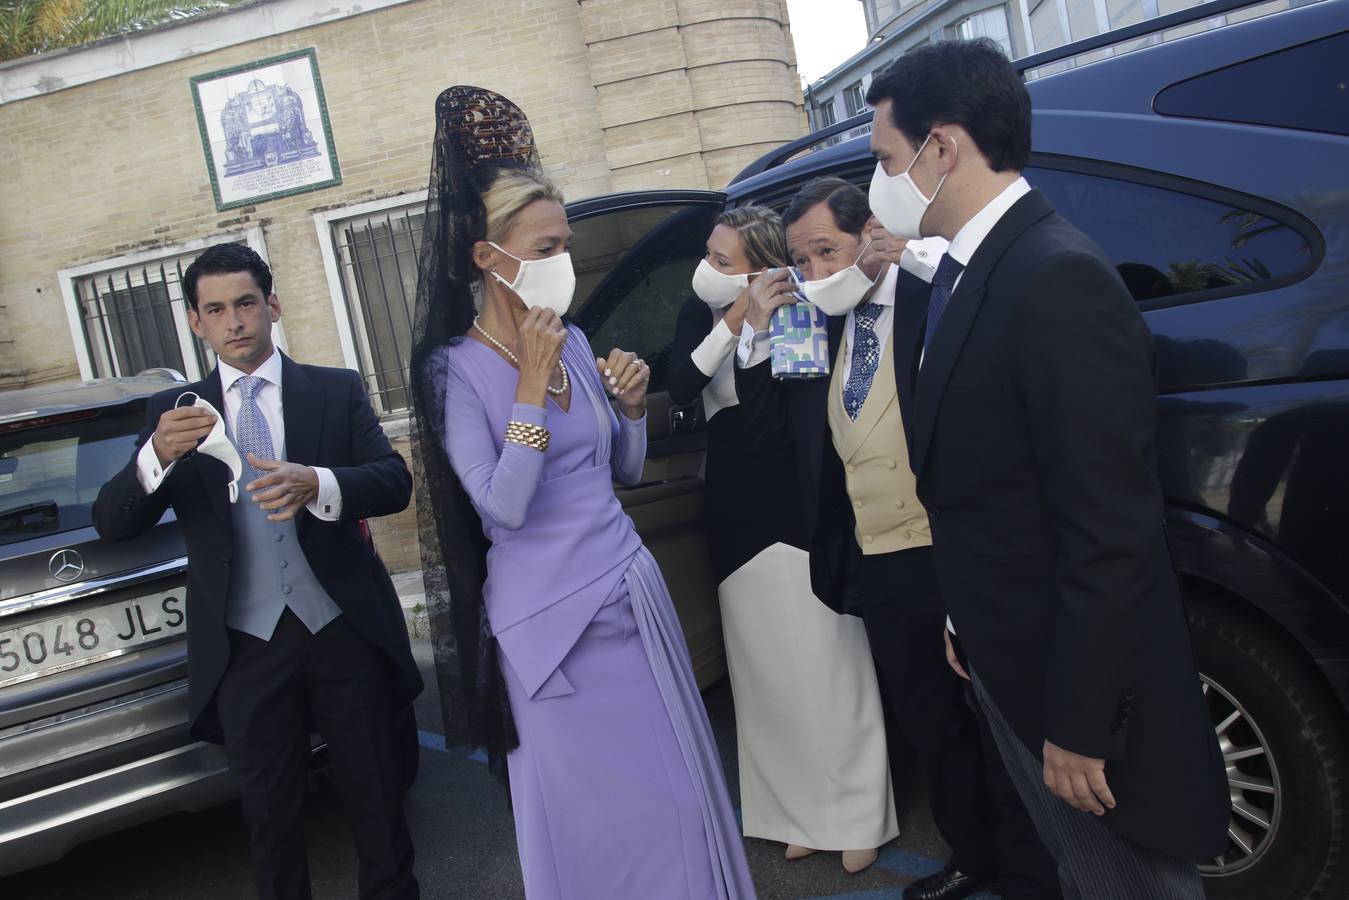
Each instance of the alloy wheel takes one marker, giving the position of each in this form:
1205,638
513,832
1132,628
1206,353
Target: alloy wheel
1253,776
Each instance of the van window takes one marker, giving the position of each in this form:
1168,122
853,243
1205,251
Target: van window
634,269
1304,87
1167,243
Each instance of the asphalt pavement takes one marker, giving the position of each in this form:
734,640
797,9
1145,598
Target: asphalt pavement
464,836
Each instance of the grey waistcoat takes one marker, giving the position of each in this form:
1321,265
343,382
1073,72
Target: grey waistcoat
269,572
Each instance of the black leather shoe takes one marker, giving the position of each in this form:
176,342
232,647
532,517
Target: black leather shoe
948,884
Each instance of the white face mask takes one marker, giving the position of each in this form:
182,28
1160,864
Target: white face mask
838,294
897,202
542,283
717,289
217,443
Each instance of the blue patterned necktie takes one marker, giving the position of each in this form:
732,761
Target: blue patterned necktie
251,434
866,358
943,283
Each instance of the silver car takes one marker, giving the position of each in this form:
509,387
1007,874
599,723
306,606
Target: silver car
93,650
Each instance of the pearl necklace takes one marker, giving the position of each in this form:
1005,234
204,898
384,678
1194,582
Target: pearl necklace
556,392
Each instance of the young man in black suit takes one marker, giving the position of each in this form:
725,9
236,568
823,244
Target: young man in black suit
1032,439
293,622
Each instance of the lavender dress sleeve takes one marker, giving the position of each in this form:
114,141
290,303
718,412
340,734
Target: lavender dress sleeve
627,462
502,483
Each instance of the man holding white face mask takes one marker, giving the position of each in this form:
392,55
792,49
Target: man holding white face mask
293,623
868,536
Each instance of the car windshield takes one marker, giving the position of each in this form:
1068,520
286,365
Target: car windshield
51,469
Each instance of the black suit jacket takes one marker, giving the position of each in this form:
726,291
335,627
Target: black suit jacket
1032,434
797,410
329,422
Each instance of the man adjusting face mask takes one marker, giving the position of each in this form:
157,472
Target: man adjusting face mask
896,200
840,293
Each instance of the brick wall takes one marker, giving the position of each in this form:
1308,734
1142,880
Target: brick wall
622,94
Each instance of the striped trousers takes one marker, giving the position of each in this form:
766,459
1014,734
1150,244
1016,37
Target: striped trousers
1094,862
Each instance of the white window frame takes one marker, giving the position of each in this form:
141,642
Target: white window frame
828,111
68,278
1007,19
861,98
347,330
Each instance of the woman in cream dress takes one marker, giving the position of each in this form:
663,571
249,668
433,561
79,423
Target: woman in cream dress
814,772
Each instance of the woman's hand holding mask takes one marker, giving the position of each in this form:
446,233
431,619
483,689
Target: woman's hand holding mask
538,348
735,313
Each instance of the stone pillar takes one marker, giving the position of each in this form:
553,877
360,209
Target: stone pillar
691,91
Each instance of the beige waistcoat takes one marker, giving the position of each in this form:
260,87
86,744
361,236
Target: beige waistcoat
875,457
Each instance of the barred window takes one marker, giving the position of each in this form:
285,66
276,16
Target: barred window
376,257
134,317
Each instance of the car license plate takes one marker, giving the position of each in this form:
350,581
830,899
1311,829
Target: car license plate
90,635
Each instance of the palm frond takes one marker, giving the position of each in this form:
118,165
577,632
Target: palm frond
33,26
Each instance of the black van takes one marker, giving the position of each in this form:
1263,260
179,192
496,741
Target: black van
1214,169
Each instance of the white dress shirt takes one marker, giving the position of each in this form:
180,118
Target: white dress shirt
919,258
968,238
326,506
715,358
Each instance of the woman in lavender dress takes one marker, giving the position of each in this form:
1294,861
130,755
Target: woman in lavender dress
614,776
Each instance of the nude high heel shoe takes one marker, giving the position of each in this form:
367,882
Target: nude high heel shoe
855,861
795,852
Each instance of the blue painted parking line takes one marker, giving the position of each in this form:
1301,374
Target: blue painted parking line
433,741
911,865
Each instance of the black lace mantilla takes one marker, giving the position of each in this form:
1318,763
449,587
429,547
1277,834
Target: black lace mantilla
478,133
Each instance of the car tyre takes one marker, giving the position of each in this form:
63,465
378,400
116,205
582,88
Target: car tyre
1286,746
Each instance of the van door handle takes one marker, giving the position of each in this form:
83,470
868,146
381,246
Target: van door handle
683,419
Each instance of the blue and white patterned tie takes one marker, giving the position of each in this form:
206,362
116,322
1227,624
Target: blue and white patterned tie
866,358
943,284
251,434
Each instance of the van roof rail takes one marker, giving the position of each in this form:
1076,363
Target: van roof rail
1130,32
775,158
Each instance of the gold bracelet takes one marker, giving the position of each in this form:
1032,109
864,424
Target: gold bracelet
536,437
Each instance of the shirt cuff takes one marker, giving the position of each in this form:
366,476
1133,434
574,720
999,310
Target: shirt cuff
148,470
714,349
529,415
753,347
327,506
950,626
920,258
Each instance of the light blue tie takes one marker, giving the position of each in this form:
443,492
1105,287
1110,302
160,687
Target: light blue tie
251,434
866,358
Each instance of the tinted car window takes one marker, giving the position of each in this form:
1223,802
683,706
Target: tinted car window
1304,87
633,270
1167,243
50,474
